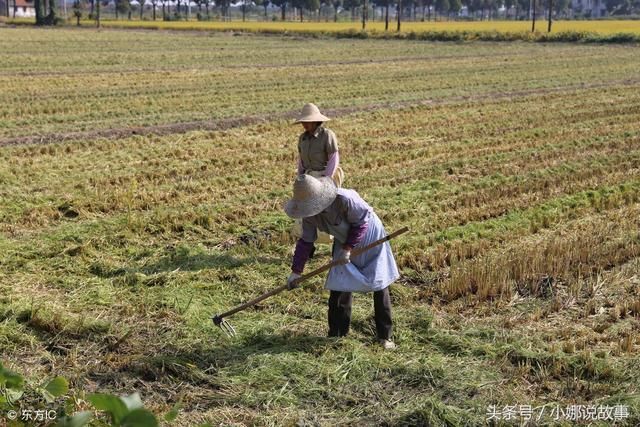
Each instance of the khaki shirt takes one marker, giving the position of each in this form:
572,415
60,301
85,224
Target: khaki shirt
315,149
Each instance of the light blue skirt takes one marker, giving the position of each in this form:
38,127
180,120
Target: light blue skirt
372,270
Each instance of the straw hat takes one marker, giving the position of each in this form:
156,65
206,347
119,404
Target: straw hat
311,113
310,196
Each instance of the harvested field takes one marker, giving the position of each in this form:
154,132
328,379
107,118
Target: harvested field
143,176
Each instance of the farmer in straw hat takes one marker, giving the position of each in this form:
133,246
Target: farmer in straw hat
318,155
317,146
344,214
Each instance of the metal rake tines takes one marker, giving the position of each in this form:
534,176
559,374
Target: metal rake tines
226,327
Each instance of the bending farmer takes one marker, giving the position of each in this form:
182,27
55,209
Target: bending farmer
345,215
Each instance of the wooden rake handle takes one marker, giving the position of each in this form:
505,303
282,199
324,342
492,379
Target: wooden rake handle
355,252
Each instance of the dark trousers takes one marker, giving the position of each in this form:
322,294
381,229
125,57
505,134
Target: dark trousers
340,313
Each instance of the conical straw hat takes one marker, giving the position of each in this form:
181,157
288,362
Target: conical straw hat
310,196
311,113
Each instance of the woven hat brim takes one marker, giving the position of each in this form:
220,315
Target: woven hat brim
313,118
297,209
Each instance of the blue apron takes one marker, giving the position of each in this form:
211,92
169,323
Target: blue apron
372,270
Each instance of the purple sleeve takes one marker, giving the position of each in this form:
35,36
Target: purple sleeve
332,164
356,234
301,255
357,215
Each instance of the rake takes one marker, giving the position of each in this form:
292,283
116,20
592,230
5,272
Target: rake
227,328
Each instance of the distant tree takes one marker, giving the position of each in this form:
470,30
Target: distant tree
154,5
42,16
352,5
384,8
419,5
302,5
164,9
622,7
122,6
442,6
476,6
508,5
337,4
206,7
142,3
37,5
533,15
282,4
387,4
429,7
455,6
365,13
493,6
265,4
312,5
399,14
244,10
561,6
522,5
77,11
225,7
408,5
490,6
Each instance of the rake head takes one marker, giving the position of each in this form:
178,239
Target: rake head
226,327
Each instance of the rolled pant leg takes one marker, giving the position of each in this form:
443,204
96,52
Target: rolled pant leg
382,310
339,313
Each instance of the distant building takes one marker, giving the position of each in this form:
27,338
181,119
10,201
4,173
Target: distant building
23,9
589,8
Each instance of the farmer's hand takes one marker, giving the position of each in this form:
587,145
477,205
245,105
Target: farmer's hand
344,256
291,279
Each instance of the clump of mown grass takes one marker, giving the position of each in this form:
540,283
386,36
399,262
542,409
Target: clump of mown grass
53,323
541,364
175,368
431,412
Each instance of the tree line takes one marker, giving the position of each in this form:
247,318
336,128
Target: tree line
364,10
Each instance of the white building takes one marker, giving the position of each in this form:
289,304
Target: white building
23,9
